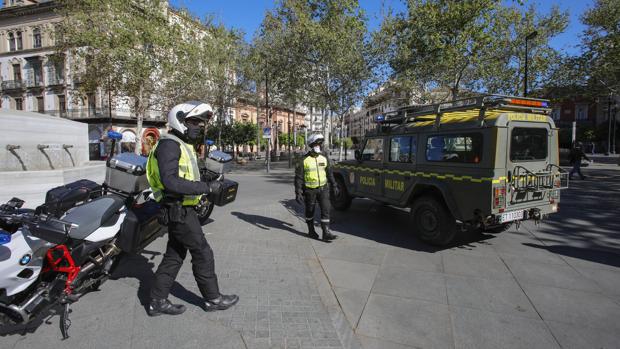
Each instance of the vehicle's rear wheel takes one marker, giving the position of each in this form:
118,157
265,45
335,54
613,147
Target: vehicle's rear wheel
6,320
432,221
342,201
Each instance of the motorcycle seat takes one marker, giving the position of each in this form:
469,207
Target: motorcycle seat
92,215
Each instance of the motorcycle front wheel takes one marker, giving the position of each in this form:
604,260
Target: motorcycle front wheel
204,212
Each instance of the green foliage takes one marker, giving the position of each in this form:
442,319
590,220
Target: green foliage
344,142
601,43
475,45
150,53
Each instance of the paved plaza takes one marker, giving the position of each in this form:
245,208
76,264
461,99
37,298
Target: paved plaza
552,286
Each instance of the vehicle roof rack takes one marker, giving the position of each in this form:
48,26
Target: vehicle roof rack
414,113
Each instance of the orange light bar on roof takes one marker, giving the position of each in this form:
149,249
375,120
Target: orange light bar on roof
528,103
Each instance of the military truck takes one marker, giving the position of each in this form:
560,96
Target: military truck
478,163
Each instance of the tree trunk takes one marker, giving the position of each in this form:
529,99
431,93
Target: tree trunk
140,111
341,139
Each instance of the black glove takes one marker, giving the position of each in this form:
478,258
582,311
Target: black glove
214,187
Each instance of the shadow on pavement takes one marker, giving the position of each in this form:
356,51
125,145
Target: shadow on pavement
267,223
281,178
587,225
139,267
384,224
32,326
596,256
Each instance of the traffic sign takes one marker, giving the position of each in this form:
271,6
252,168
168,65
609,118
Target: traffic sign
267,132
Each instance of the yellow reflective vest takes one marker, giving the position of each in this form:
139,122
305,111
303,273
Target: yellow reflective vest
315,174
188,169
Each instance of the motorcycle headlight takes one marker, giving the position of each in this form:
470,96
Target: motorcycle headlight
5,237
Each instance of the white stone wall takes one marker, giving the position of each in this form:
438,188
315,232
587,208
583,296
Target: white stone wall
28,130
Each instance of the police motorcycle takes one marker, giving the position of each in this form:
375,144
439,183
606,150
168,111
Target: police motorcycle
212,168
53,255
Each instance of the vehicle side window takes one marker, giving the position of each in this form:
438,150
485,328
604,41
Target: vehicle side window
402,149
373,150
466,148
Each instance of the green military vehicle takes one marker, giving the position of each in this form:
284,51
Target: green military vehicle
479,163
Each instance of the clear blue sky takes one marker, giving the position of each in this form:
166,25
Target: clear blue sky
248,14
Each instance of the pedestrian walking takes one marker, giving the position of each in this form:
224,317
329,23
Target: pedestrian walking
173,174
314,182
576,155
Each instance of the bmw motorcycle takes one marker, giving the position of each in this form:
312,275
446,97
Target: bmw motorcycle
69,246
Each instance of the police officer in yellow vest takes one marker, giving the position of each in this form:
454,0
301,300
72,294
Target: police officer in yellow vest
313,178
174,177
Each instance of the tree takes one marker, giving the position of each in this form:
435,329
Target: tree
129,48
320,48
475,45
225,57
601,44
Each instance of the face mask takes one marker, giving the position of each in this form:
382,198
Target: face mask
194,132
316,149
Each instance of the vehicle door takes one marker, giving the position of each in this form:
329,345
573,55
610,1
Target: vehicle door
368,176
528,154
399,169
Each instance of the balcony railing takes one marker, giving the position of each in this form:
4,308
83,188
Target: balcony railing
36,82
98,113
12,84
53,80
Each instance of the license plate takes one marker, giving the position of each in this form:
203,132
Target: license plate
511,216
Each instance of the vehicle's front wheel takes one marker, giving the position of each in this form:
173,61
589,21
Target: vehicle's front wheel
432,221
205,212
342,201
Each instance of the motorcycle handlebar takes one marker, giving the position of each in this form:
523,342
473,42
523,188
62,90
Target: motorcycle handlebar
31,218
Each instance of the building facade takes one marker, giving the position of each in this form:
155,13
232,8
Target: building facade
385,99
35,77
283,120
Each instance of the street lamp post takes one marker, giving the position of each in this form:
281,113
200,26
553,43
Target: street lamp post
530,36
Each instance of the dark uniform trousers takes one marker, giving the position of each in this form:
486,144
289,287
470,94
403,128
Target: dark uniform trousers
183,237
320,195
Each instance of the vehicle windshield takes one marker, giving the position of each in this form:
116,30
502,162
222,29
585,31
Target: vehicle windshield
528,144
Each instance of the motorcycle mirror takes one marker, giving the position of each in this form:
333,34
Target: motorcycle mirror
115,135
5,237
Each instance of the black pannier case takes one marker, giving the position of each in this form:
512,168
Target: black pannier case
58,200
226,194
139,228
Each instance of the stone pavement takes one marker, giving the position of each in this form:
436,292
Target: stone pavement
551,286
556,285
261,254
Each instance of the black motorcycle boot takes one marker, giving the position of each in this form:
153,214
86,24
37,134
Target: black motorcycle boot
311,232
222,302
163,306
327,235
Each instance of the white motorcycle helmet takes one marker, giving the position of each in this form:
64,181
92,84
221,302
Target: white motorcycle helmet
188,110
316,138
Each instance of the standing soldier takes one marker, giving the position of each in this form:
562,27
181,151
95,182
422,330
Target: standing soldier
173,174
312,174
